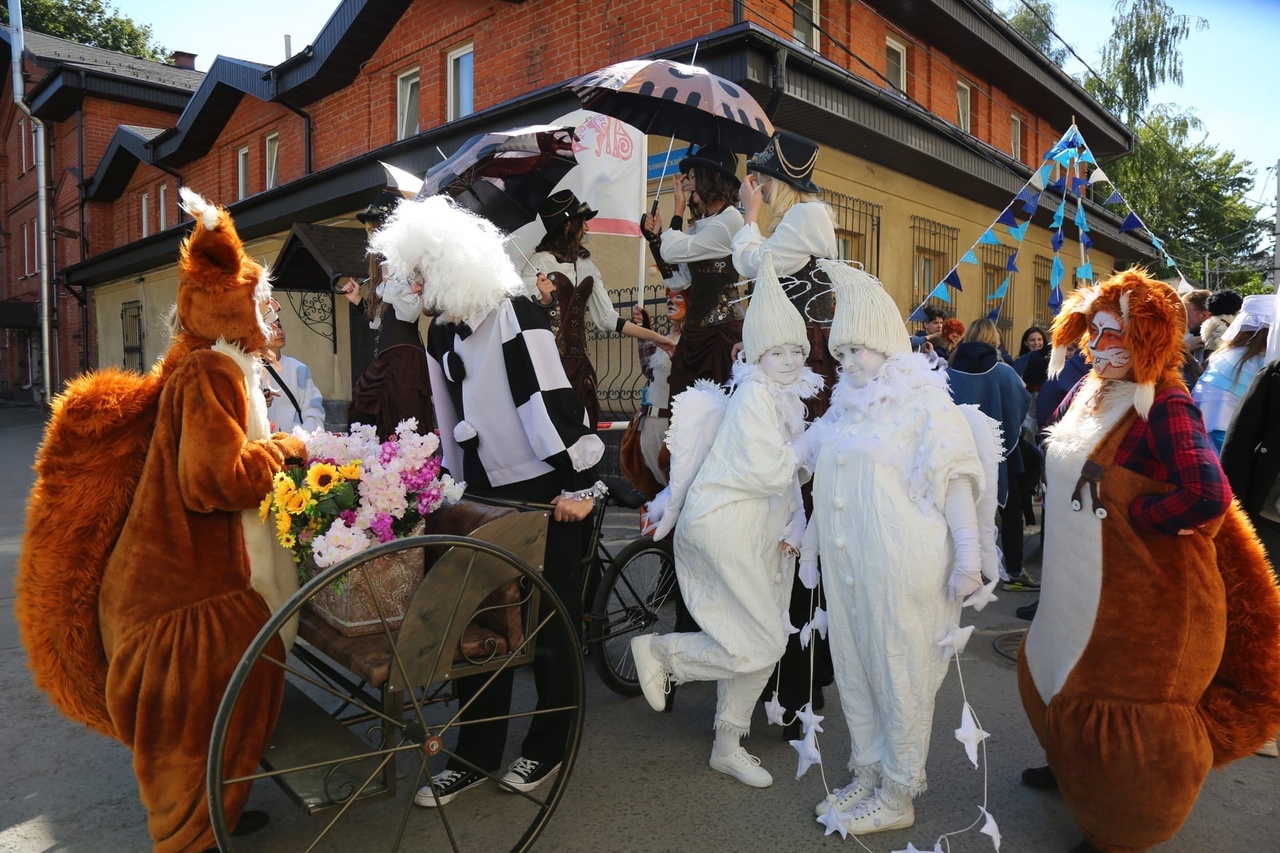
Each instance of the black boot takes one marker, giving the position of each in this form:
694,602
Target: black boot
1085,847
251,821
1028,611
1040,778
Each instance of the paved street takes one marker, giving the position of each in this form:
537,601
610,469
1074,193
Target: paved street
641,782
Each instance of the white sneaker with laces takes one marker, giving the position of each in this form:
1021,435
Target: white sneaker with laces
742,766
651,674
873,814
1269,749
525,774
850,795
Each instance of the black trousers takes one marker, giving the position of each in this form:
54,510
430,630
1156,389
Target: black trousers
483,744
1011,525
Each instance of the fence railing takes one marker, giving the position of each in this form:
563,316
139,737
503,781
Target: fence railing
615,357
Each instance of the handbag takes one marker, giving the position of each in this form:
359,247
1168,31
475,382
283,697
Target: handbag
631,459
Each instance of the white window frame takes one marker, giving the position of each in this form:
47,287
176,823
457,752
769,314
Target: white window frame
411,79
162,203
242,173
901,83
145,212
817,35
451,64
271,158
964,106
1015,136
22,143
26,250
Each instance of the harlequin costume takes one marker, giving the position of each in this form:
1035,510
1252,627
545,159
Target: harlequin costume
194,574
703,270
1152,656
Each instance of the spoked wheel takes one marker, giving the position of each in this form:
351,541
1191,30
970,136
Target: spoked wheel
368,718
638,595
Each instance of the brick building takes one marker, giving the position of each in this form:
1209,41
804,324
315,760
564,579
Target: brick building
930,113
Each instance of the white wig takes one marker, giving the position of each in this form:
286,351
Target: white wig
461,257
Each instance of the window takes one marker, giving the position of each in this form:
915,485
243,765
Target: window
857,229
26,249
935,255
271,155
995,269
162,202
22,143
1015,137
1040,313
805,23
407,104
461,82
895,56
145,210
131,320
964,107
242,173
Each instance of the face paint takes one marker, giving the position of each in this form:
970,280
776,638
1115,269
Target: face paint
859,365
782,364
269,310
675,306
1111,359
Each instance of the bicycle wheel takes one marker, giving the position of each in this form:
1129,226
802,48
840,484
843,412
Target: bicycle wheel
637,595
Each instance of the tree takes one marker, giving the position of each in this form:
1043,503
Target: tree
1034,19
90,22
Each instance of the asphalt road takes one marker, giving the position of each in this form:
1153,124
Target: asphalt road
641,781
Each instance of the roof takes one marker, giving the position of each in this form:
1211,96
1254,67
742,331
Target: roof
315,257
56,51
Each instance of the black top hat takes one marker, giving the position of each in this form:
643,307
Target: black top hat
789,158
717,157
380,208
561,207
1223,302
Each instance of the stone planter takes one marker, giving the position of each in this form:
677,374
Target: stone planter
351,609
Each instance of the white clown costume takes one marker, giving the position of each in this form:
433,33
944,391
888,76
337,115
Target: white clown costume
895,522
737,530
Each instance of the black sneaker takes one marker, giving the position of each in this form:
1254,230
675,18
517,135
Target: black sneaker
448,785
1040,778
525,774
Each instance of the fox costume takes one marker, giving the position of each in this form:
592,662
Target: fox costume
145,570
1153,654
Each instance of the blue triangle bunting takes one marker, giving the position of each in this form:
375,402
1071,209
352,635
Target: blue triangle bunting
1077,183
1020,232
1027,194
1087,157
1158,243
1060,184
1114,197
1058,146
1055,299
1086,240
994,315
1059,214
1066,156
1002,289
969,258
1006,217
1012,266
1056,272
1030,207
988,238
1045,172
1056,241
1081,222
1085,272
1131,223
941,292
917,316
953,279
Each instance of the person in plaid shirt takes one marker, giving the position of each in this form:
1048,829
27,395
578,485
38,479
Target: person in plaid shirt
1152,654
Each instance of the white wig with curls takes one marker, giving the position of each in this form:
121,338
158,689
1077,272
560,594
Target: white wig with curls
461,257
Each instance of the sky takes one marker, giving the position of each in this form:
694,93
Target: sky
1230,77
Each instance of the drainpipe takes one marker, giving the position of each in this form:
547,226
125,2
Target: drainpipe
306,117
779,82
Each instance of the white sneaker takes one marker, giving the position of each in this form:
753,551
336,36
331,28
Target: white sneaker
875,815
849,796
651,674
742,766
1269,749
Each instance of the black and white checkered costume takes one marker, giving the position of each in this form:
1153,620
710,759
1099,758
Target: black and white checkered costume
504,406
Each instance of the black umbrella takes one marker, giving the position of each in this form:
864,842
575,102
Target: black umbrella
669,98
504,176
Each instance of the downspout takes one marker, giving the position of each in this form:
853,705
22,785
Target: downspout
306,117
84,233
779,88
42,220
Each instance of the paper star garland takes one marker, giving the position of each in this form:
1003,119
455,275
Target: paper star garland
820,621
787,626
809,575
805,631
807,750
955,641
774,711
968,734
990,828
984,596
834,822
812,722
911,848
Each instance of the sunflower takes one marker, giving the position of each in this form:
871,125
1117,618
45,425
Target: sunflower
285,489
264,508
322,477
299,502
287,540
284,523
352,470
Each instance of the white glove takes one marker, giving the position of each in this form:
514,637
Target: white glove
962,519
809,574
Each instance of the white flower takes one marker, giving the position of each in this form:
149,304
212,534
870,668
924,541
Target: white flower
452,489
338,543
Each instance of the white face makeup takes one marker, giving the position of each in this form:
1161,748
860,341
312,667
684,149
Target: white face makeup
782,364
859,365
1111,360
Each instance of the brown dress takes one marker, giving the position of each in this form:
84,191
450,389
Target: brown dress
568,317
395,385
712,325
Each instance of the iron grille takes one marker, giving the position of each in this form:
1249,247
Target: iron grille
619,379
995,267
133,335
934,256
857,229
1040,313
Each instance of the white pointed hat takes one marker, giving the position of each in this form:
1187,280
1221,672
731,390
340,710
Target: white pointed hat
771,320
865,315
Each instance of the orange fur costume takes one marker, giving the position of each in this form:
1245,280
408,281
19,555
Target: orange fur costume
1152,656
136,612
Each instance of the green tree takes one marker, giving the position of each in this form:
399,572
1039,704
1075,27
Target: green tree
1035,20
90,22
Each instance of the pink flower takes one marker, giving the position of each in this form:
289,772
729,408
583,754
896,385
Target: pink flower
348,517
381,527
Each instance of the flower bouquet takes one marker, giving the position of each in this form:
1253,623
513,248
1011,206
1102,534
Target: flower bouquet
354,492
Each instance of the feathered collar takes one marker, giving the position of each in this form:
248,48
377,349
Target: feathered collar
789,397
899,380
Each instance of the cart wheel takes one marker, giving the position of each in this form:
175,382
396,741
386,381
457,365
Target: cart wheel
343,739
637,595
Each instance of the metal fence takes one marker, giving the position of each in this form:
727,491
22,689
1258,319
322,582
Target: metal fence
616,358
